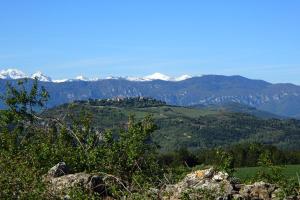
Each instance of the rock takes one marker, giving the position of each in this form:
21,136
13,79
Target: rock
237,196
234,180
208,173
202,183
211,184
58,170
220,176
259,190
63,184
67,197
60,182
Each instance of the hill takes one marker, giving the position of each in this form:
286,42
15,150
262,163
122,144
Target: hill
193,128
239,108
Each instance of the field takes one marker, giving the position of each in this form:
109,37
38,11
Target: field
246,173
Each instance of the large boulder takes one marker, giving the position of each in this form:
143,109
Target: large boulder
201,184
60,183
212,184
258,190
63,184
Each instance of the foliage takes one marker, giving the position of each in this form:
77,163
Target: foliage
249,154
30,144
268,172
19,177
224,162
132,156
190,128
24,103
271,173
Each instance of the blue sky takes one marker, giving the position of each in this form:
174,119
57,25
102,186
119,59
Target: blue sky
255,38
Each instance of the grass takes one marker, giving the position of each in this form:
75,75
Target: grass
247,173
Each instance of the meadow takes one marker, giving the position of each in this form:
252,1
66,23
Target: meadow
248,173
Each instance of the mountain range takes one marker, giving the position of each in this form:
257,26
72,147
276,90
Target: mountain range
279,99
12,74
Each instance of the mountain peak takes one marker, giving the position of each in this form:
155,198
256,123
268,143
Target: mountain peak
17,74
183,77
81,78
41,77
12,74
157,76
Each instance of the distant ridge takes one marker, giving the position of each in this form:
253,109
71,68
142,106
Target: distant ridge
278,99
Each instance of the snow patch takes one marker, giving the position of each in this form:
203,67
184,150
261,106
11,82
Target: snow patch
12,74
41,77
17,74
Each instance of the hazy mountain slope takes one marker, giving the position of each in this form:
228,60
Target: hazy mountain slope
279,99
192,128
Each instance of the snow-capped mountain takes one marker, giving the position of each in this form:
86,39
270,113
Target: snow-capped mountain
17,74
12,74
82,78
113,77
183,77
60,80
157,76
152,77
78,78
41,77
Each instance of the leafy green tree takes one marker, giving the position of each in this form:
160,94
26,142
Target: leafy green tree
132,156
22,104
19,177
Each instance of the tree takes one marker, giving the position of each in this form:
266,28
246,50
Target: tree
22,104
19,178
132,155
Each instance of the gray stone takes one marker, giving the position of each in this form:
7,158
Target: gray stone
60,182
63,184
220,176
58,170
208,184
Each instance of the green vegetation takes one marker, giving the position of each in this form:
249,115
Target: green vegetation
248,173
181,127
134,152
30,145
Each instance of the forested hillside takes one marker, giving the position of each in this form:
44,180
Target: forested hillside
179,127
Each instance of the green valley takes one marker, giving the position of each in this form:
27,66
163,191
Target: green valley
186,127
